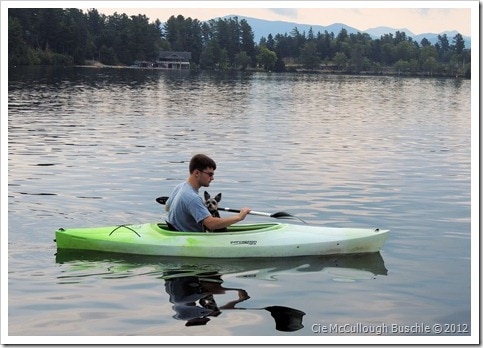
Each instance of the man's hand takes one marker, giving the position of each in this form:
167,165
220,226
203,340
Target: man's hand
243,213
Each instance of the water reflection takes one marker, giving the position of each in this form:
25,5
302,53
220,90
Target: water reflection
121,265
193,299
99,78
196,287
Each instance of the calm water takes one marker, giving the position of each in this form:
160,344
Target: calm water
94,147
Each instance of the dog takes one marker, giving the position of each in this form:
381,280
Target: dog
212,205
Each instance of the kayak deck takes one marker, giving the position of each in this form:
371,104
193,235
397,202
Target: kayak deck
241,240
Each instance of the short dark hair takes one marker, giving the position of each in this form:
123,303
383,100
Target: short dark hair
201,162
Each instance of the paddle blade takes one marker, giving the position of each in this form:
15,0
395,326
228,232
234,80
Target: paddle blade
281,215
162,200
284,215
286,318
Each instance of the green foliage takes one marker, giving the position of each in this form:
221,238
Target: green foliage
309,57
107,55
340,59
70,36
267,58
430,65
279,66
242,60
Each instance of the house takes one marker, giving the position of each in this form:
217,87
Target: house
173,60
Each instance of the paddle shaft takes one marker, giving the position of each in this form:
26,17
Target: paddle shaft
252,212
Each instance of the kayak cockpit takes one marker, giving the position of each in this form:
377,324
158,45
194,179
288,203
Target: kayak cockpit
237,228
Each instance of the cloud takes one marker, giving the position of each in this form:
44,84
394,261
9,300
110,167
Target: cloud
290,13
424,12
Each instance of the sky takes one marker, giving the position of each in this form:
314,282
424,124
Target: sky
418,16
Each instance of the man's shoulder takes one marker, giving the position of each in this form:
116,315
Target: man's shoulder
186,194
187,189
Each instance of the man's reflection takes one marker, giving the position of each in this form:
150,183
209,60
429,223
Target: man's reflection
193,300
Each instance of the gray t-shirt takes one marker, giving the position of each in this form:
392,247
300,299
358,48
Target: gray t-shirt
186,209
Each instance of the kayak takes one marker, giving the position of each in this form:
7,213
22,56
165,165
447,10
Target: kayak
241,240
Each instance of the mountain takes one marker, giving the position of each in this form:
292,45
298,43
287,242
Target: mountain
379,31
431,37
262,28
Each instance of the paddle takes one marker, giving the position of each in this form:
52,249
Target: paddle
277,215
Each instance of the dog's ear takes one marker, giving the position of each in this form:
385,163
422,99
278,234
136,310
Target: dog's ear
218,197
207,196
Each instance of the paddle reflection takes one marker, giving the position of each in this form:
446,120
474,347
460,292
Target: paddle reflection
193,299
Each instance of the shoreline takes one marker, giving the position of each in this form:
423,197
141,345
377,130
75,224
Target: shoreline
292,69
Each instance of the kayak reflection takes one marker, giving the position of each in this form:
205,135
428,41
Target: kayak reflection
193,300
357,266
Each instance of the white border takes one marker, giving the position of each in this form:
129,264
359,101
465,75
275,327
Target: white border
475,151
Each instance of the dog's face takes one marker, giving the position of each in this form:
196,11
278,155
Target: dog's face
212,203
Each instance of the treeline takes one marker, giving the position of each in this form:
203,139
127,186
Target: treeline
69,36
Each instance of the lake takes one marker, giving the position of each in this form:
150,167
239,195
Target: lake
94,147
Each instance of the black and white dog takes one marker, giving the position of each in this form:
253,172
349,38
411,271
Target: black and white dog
212,205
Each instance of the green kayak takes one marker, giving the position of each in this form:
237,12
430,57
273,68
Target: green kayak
241,240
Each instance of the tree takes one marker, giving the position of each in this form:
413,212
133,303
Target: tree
282,45
342,36
267,58
427,52
388,53
357,60
324,45
247,41
108,56
270,42
430,65
458,44
310,35
400,37
402,66
308,55
210,55
340,60
279,66
223,59
16,46
193,41
443,48
425,42
405,50
298,41
242,60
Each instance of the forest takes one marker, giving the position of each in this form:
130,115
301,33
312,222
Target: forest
54,36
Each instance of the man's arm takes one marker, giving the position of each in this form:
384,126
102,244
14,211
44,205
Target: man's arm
214,223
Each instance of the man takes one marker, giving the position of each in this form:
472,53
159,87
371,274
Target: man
186,210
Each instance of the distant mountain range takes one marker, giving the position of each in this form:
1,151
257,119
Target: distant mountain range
262,28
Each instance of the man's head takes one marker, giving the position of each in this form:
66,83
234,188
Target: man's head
202,169
201,162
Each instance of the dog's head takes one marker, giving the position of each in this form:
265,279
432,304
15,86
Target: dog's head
212,203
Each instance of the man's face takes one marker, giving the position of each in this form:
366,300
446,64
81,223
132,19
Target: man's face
206,176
